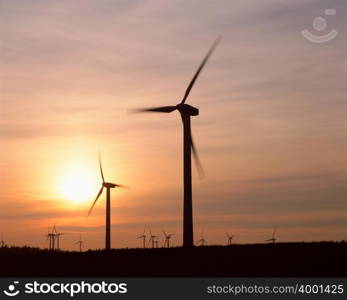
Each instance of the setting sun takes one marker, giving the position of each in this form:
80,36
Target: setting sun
77,186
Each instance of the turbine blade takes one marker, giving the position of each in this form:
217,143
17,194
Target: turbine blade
163,109
100,165
96,199
207,56
122,186
196,158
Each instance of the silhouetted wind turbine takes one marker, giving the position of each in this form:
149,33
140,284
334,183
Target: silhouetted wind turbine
2,242
50,236
108,187
167,239
186,111
143,237
153,239
202,240
56,235
230,237
80,243
273,239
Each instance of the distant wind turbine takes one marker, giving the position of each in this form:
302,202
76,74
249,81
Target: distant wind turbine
202,240
230,238
56,236
108,187
153,239
2,242
187,111
80,243
273,239
51,238
167,239
143,237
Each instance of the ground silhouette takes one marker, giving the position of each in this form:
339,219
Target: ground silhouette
316,259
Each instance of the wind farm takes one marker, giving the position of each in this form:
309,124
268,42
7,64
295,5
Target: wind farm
190,252
224,120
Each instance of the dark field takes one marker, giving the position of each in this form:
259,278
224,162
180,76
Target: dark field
318,259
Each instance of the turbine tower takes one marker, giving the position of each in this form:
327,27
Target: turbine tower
143,237
167,239
108,186
273,239
187,111
230,238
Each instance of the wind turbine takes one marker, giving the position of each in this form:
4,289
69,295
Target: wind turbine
50,236
153,239
187,111
273,239
143,237
56,235
2,242
80,243
230,237
202,240
167,239
108,186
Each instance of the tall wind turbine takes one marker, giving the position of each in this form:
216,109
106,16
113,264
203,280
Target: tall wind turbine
143,237
273,239
167,239
187,111
230,238
108,186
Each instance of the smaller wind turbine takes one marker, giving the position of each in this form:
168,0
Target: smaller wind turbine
2,242
143,237
273,239
108,186
167,239
56,235
202,240
230,238
50,236
80,243
153,239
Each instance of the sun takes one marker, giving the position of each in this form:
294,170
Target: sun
77,186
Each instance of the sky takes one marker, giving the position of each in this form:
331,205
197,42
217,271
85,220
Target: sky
271,133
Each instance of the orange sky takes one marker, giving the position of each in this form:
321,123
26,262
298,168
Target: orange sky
271,130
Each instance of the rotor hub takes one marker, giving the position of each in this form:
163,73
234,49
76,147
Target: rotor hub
188,109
